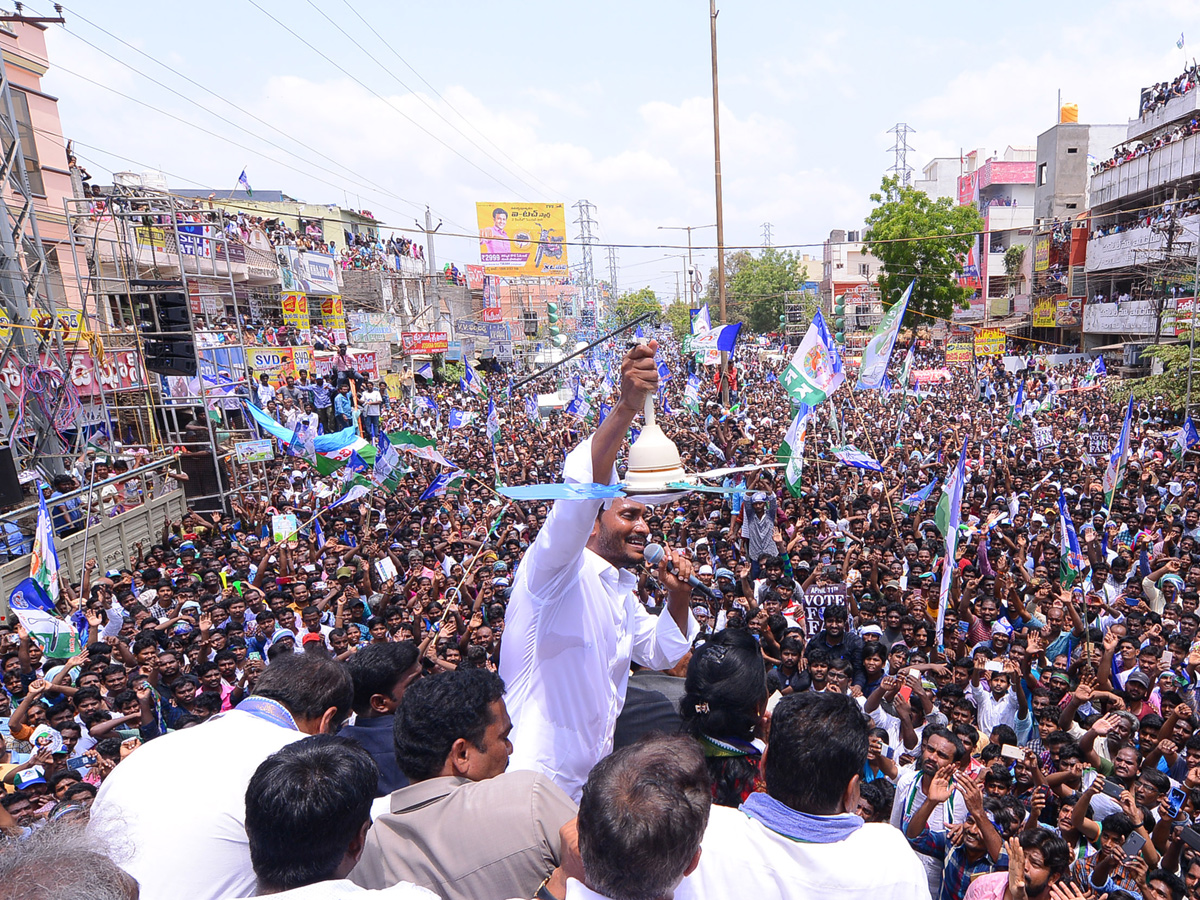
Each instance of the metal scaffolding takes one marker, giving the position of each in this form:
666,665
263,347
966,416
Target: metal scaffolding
36,397
131,248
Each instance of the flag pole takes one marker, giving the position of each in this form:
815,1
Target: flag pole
871,441
87,522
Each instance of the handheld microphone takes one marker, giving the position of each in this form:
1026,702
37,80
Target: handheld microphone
654,554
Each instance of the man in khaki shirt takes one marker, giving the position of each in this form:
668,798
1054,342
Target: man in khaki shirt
466,829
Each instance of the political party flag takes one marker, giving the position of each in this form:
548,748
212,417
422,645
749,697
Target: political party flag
879,349
791,451
1095,370
356,463
424,402
34,609
471,383
493,421
328,463
387,460
43,564
1014,415
356,492
460,418
1070,558
701,322
664,373
443,483
1179,43
319,532
531,408
914,501
419,446
851,456
691,394
1185,439
1047,403
906,370
1114,474
722,339
815,371
954,516
244,182
426,371
835,432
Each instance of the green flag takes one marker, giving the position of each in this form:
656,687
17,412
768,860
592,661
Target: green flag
791,451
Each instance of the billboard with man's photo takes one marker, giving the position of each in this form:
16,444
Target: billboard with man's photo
522,239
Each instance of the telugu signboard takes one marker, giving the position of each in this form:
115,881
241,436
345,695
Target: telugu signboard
1041,253
1044,310
960,353
312,272
412,342
990,342
522,239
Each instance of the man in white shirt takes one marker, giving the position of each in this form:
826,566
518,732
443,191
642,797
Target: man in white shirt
802,838
263,391
308,810
641,819
1000,704
574,622
178,803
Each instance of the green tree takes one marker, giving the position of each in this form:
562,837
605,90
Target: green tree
755,285
1014,262
917,237
678,315
636,303
1171,385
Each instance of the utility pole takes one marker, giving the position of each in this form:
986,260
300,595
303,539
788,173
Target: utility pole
434,285
712,15
1160,301
612,271
766,227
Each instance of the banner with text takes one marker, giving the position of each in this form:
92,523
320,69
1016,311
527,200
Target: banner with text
522,239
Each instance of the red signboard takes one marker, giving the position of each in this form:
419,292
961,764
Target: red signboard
492,314
475,278
424,342
121,371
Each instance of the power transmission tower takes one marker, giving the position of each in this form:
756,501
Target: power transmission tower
766,227
901,167
612,271
587,238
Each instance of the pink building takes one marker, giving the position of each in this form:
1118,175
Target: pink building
25,58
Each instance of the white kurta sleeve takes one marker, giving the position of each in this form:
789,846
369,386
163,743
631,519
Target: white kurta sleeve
657,642
560,542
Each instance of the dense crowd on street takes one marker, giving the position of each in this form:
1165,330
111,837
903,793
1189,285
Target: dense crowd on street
435,690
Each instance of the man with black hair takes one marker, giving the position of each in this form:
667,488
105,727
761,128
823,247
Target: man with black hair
1037,861
169,822
642,816
308,809
465,828
381,674
839,643
940,747
1109,870
802,837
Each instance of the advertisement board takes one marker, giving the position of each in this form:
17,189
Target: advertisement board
522,239
311,272
990,342
1068,312
255,451
960,353
333,317
295,313
481,332
412,342
1044,310
1041,253
475,278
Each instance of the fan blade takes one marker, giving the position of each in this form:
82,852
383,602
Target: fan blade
562,491
721,473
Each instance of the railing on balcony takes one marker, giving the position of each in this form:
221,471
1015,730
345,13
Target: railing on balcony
1169,163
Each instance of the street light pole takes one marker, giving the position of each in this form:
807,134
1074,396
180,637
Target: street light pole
712,15
1187,405
691,290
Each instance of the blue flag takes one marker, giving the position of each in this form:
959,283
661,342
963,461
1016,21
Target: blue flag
460,418
913,501
1070,560
426,371
851,456
442,483
954,488
356,463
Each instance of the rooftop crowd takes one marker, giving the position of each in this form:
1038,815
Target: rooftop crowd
444,692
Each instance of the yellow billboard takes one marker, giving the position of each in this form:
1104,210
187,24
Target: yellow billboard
522,239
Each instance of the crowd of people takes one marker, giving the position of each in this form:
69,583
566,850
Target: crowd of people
435,689
1127,153
1164,91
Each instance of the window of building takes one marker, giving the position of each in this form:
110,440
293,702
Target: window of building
56,288
1041,178
864,269
33,168
1071,206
